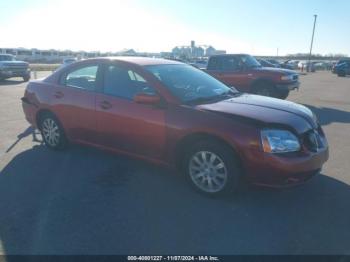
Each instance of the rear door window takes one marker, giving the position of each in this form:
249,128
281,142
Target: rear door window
83,78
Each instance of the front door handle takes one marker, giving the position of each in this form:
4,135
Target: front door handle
58,94
105,105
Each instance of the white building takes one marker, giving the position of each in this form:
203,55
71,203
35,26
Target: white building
193,51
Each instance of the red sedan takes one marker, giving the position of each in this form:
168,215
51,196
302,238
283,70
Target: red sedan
173,114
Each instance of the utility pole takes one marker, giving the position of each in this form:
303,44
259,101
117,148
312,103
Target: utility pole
308,67
277,51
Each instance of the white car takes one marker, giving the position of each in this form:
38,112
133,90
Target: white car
305,64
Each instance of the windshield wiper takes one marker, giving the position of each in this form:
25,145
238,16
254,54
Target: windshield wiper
215,98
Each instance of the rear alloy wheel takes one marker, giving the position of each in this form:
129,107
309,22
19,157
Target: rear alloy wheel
212,168
52,132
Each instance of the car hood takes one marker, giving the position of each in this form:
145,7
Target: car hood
266,110
276,70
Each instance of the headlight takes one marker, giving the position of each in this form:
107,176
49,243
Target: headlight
287,78
279,141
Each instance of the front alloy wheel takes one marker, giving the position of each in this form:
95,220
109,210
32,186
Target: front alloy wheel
212,168
208,172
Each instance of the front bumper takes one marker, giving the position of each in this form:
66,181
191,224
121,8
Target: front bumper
288,86
8,73
274,170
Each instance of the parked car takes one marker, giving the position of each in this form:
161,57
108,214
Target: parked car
343,69
67,61
246,74
286,65
10,67
265,63
340,62
176,115
201,64
307,66
293,64
274,62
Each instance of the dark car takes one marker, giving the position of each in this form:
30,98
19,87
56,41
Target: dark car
335,66
286,65
246,74
274,62
343,68
9,67
265,63
175,115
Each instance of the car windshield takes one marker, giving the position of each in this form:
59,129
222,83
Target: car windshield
7,58
250,61
190,84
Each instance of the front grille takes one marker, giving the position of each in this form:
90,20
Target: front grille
13,67
17,69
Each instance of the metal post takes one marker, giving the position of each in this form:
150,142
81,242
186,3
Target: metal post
308,66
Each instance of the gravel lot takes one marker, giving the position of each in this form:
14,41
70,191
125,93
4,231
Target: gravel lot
84,201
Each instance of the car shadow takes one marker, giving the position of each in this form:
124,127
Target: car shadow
84,201
327,115
29,131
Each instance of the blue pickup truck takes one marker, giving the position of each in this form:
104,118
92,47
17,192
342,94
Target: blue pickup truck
10,67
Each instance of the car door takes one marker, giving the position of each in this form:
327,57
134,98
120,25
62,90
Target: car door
73,100
123,124
347,69
232,74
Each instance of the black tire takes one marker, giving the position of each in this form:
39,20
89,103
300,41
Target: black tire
26,78
233,175
264,89
60,142
341,73
282,94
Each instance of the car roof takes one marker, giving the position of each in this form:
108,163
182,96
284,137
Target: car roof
226,55
142,61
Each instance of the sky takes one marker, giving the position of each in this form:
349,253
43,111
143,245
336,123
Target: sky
257,27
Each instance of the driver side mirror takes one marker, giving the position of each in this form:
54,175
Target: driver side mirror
147,99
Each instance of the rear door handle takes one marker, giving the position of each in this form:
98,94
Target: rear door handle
58,94
105,105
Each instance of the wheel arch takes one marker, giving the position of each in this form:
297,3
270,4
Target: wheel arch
186,142
43,112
